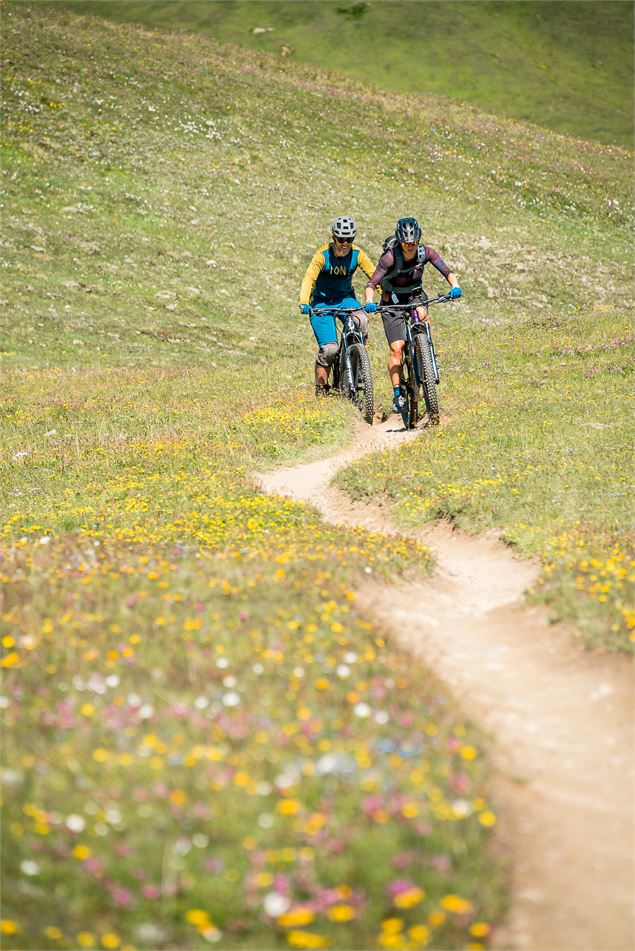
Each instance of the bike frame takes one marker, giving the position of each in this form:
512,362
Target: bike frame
414,324
348,335
419,378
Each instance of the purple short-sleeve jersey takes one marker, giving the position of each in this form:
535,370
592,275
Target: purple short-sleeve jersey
387,262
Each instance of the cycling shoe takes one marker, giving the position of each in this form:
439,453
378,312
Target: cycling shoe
400,405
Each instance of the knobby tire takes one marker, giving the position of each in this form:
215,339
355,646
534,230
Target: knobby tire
412,393
363,396
426,370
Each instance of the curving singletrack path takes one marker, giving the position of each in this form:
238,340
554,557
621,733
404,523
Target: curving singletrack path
559,717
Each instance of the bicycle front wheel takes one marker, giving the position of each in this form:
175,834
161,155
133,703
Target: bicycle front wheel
411,391
426,372
362,393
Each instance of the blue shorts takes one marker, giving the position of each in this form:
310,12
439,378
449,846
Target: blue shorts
323,324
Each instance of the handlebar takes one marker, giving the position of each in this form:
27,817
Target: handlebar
336,310
441,299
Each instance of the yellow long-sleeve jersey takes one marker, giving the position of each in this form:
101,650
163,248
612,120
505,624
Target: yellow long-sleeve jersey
329,278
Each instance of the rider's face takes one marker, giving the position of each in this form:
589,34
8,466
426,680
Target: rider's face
342,246
409,248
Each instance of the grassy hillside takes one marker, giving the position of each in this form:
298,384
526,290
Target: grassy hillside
564,65
205,740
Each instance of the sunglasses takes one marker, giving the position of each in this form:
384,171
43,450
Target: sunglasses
343,240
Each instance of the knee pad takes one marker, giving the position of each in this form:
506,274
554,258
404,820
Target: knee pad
326,355
361,321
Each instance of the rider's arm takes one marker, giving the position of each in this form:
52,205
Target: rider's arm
384,265
435,259
452,279
366,264
311,276
368,268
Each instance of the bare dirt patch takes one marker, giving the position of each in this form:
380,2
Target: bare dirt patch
560,718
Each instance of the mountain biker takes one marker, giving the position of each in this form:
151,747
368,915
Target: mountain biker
399,274
328,282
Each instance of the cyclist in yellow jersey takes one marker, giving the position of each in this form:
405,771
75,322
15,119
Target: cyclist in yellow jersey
328,282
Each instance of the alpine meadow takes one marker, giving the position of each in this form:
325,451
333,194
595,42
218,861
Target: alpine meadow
206,740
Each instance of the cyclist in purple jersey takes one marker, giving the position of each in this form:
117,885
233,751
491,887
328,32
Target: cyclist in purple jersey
399,275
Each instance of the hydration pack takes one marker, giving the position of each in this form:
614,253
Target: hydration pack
401,267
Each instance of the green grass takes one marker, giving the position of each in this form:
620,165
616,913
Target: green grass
163,196
198,719
564,65
535,441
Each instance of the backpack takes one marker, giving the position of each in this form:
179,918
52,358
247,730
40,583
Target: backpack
400,266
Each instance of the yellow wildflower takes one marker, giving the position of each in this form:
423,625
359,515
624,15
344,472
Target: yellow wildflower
410,810
306,939
419,934
85,939
456,904
296,917
288,807
409,898
81,852
341,913
53,933
468,752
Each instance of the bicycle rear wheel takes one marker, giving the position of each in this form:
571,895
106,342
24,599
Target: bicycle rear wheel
426,372
362,394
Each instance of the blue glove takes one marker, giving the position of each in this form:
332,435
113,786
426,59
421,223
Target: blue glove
455,292
305,308
370,308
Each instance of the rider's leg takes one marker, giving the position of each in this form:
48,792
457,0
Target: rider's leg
395,366
394,328
323,363
395,359
423,315
323,325
321,375
361,323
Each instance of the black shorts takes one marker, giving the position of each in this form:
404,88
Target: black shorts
394,326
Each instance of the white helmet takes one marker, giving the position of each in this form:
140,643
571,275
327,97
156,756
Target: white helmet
344,227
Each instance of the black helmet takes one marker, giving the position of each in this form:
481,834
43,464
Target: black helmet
344,227
407,230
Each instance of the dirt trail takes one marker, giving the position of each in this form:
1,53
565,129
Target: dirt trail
560,719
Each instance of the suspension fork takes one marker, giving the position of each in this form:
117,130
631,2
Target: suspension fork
346,360
435,366
414,366
349,370
426,329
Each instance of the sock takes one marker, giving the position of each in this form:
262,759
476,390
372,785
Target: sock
397,391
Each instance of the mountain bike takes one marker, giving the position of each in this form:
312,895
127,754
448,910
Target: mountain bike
352,374
420,365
